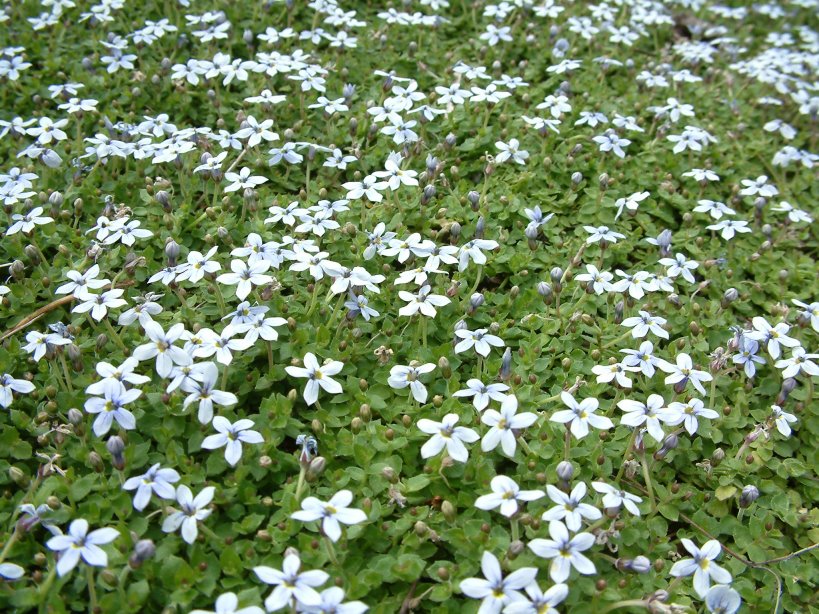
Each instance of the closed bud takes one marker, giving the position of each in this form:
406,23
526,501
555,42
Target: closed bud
172,252
32,254
56,200
448,510
577,177
474,198
749,494
95,460
544,289
532,231
316,467
619,308
454,231
556,274
475,301
450,140
74,416
516,548
356,424
506,365
565,471
144,549
421,528
444,367
102,341
17,476
116,448
390,475
17,269
365,412
265,462
428,194
480,227
164,199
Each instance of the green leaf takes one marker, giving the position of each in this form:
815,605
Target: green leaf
725,492
416,483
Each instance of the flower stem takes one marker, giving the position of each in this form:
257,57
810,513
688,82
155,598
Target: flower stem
515,530
629,447
647,478
269,356
115,335
331,552
300,483
61,357
567,444
92,588
45,587
219,299
10,543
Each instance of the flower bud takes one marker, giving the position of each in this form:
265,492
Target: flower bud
516,548
444,367
474,198
316,467
749,494
17,476
116,448
390,475
565,471
172,252
577,178
545,290
532,231
144,549
619,308
506,365
480,227
475,301
164,199
428,194
17,269
95,460
448,510
728,297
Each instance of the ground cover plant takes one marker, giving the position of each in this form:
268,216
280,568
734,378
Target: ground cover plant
434,306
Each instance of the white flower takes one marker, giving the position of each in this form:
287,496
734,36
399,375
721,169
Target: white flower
290,584
336,510
198,265
689,412
799,362
539,602
232,436
714,208
193,510
9,384
27,222
511,151
245,276
600,280
728,228
111,406
482,393
446,435
722,599
747,355
506,494
243,180
80,283
760,186
80,543
602,233
610,141
161,346
772,336
644,323
683,371
317,377
680,265
702,565
614,498
99,304
471,250
495,590
480,339
649,413
631,202
11,571
155,481
782,420
580,415
503,424
564,551
423,302
402,376
228,603
38,343
617,372
643,358
569,509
